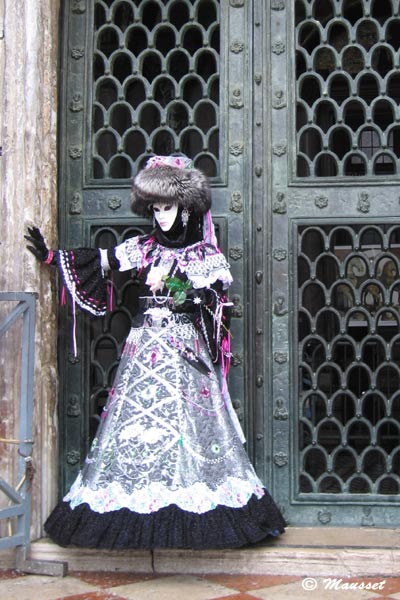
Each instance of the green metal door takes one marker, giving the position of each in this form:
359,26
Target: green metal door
333,210
292,109
143,77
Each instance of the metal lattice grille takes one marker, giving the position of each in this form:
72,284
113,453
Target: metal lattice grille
349,359
348,88
156,84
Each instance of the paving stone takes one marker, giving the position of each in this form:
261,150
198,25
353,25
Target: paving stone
138,586
107,579
176,586
36,587
247,583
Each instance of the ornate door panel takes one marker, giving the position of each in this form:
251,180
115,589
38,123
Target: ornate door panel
334,222
144,77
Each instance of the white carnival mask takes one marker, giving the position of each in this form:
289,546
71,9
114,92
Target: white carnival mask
165,214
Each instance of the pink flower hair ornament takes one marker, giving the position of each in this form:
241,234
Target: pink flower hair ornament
180,162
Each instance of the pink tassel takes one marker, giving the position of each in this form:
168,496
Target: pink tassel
63,296
225,360
208,229
74,321
226,347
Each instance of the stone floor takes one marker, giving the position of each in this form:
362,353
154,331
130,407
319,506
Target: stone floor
301,551
90,585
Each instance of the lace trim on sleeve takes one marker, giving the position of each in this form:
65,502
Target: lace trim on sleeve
129,254
206,265
82,274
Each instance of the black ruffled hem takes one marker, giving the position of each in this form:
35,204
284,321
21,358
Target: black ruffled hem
169,527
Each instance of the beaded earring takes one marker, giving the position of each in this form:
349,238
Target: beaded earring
185,217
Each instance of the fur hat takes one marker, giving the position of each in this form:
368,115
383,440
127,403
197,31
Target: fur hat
169,179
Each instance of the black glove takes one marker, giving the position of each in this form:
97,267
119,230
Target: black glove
39,248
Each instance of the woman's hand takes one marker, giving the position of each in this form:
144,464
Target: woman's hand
39,248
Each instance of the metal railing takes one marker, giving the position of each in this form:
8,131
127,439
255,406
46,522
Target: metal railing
19,497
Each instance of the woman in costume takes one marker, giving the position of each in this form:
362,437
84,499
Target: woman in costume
167,467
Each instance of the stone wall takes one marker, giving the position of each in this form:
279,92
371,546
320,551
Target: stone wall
28,186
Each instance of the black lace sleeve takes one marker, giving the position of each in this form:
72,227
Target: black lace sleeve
213,320
84,278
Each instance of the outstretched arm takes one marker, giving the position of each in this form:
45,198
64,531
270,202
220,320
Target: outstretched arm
82,270
39,248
